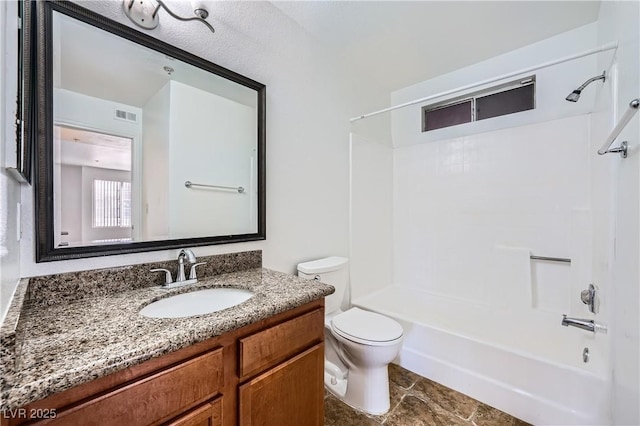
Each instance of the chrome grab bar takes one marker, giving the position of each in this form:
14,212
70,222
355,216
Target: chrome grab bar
628,115
550,259
190,184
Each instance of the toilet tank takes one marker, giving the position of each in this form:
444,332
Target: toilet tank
330,270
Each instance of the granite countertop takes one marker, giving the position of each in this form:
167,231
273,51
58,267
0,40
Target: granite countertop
56,347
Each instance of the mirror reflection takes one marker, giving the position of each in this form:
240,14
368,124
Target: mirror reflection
146,147
92,174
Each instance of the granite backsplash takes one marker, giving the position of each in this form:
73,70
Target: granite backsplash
49,290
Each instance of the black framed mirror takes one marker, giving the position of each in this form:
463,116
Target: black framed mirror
140,145
20,164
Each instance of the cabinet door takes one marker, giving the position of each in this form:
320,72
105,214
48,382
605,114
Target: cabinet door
290,394
209,414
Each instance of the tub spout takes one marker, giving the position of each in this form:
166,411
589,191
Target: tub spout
589,325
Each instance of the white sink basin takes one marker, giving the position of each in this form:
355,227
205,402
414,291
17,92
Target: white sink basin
196,303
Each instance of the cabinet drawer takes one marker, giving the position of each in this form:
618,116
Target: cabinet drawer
273,345
208,414
146,401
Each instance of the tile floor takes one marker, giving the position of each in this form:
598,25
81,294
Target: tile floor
416,401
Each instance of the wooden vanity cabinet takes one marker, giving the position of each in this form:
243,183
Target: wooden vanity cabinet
269,373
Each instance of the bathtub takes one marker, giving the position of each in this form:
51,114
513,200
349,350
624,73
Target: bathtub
518,359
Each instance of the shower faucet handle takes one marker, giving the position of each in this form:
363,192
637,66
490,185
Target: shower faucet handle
590,298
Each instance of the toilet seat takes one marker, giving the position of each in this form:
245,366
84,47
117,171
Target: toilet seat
366,328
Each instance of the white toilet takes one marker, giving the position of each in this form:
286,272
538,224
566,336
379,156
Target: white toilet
359,345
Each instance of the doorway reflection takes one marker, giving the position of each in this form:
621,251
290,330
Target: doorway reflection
94,193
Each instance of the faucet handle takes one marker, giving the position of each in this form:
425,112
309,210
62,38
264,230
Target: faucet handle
167,277
590,298
192,272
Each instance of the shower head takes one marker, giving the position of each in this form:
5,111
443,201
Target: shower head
575,95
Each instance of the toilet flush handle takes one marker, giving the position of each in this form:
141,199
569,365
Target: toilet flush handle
316,278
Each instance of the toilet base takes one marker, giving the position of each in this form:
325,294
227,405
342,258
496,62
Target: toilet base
337,387
366,390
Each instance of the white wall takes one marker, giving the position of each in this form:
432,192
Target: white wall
218,154
461,207
71,199
618,20
155,165
464,194
88,112
371,250
9,188
310,96
552,85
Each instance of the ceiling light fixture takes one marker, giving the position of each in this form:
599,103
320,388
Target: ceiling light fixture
144,13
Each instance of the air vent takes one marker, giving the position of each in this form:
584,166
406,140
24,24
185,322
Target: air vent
131,117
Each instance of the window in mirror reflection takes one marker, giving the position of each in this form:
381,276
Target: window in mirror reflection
111,204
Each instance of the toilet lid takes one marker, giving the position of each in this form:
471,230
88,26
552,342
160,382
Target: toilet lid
358,325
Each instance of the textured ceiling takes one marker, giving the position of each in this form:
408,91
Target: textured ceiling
393,43
401,43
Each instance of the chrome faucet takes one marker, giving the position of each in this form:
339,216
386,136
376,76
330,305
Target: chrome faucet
191,258
589,325
181,280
